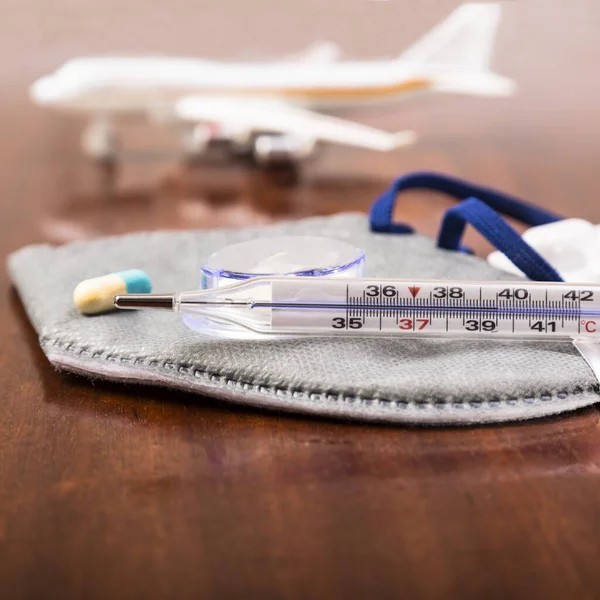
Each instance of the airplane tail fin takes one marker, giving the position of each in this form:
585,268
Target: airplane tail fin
463,41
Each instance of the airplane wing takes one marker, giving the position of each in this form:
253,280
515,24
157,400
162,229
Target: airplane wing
317,53
266,116
321,52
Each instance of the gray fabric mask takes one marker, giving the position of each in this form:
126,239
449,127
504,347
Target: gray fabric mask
377,379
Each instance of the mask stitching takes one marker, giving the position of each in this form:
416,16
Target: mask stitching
314,395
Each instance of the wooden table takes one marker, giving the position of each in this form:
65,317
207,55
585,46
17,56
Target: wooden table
109,491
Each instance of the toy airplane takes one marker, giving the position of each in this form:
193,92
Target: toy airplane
273,110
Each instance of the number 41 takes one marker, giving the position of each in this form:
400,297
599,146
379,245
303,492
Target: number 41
539,326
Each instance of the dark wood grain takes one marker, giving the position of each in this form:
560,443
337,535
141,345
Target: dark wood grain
110,491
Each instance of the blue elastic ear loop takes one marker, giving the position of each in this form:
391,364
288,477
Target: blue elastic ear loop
380,215
497,231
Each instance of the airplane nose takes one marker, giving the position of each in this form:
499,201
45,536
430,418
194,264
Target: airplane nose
43,91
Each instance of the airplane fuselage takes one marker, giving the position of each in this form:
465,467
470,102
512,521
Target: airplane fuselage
103,85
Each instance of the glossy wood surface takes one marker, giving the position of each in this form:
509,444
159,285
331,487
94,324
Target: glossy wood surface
109,491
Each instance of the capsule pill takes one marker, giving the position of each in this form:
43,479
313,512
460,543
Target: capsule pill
95,296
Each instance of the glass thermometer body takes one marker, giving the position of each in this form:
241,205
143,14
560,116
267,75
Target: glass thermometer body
313,306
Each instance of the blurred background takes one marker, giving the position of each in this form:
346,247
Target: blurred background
542,144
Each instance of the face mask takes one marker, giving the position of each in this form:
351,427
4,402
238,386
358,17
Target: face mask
375,379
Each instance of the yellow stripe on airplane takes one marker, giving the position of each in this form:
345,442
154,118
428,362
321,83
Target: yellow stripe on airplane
343,93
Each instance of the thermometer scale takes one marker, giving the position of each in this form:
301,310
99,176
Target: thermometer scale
316,306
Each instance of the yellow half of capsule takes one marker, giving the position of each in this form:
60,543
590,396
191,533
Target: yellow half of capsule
95,296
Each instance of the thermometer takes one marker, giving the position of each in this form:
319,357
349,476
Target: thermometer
318,306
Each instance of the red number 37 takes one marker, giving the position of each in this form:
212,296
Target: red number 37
408,324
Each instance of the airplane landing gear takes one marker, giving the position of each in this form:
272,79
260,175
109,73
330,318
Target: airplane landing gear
99,141
195,141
